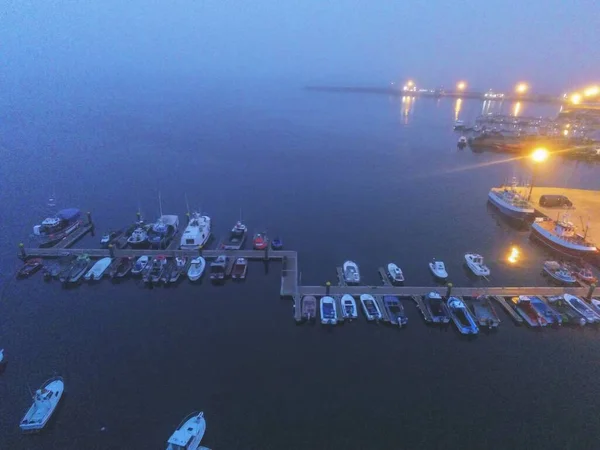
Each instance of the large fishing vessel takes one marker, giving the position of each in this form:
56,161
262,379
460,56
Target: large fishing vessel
197,232
510,201
561,236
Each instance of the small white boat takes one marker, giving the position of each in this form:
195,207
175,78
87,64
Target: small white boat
349,307
98,269
395,273
196,268
370,307
438,269
45,400
462,141
189,433
351,273
2,360
459,124
328,311
140,265
197,232
476,264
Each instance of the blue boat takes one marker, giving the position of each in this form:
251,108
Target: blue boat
542,308
277,244
163,231
436,307
395,310
462,317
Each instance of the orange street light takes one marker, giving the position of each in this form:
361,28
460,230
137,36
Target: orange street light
521,88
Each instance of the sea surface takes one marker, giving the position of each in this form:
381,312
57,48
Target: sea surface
338,176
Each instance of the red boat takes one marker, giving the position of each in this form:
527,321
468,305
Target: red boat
29,268
261,241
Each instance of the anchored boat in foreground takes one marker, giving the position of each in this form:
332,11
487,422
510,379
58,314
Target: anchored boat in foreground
370,307
328,311
189,433
436,307
45,400
395,310
349,307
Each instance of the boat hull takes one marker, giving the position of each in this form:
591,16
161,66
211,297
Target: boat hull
556,244
50,241
509,210
33,422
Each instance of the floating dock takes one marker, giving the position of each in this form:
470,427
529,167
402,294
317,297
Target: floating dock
384,278
418,299
340,275
509,309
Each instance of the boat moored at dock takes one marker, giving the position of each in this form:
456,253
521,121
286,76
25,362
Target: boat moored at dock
162,232
583,308
45,401
395,310
351,272
237,237
436,307
370,307
309,307
189,433
240,268
558,272
139,237
395,274
179,267
140,265
328,311
78,269
569,315
510,202
98,269
485,313
561,236
54,229
197,232
461,316
217,268
545,311
196,269
260,241
29,268
277,243
157,266
528,312
349,310
123,266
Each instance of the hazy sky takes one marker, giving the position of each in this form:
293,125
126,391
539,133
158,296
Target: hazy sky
494,43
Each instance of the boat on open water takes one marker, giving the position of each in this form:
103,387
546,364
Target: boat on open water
189,433
436,307
370,307
475,262
329,315
461,316
395,310
45,401
438,269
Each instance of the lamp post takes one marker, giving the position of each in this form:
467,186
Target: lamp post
539,155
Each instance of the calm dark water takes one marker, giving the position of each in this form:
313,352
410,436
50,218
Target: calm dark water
339,176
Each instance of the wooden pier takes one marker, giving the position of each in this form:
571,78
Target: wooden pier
384,278
418,299
340,275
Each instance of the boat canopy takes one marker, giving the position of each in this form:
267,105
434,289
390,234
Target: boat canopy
69,214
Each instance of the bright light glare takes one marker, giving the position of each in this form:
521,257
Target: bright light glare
522,88
591,91
410,83
539,155
461,86
513,257
576,99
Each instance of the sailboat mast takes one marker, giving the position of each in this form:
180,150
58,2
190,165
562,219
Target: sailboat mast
160,204
187,204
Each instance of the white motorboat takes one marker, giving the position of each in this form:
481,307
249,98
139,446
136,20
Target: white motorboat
197,233
462,141
476,264
370,307
349,307
351,273
583,308
328,311
595,305
395,273
2,360
45,400
189,433
461,316
459,124
438,269
140,265
98,269
196,268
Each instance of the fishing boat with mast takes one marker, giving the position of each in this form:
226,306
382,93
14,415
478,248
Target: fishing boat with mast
197,233
54,229
45,401
561,236
510,201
